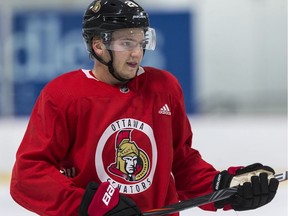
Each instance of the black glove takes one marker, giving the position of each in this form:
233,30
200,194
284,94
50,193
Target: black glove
104,199
257,187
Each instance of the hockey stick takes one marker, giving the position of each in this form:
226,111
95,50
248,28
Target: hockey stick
202,200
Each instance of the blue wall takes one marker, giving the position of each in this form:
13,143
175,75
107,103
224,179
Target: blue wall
49,43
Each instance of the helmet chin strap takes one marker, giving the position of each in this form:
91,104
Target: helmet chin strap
111,68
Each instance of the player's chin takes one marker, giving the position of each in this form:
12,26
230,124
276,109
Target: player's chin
131,73
129,76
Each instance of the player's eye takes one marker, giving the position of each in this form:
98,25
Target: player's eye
128,44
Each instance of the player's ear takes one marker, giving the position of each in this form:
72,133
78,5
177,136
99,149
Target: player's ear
97,46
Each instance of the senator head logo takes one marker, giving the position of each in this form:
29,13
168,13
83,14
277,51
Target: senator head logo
131,163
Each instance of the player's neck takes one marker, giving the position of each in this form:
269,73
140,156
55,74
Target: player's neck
102,74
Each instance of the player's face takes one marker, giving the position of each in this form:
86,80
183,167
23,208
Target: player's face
127,48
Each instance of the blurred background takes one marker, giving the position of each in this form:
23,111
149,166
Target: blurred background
230,57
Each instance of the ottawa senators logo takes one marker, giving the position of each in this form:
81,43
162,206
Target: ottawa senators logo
131,163
130,153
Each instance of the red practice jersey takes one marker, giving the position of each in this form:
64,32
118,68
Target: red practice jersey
135,136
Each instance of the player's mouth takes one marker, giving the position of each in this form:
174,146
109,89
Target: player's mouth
132,64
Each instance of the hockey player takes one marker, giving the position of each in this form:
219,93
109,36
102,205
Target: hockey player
122,131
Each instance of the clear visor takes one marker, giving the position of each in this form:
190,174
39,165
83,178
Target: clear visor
129,39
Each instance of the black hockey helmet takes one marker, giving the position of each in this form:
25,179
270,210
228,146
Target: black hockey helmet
109,15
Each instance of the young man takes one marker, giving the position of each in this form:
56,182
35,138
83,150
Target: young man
119,133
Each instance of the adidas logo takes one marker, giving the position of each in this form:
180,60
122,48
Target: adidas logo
165,110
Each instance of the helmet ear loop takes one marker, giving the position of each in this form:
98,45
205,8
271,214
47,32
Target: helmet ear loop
112,70
110,63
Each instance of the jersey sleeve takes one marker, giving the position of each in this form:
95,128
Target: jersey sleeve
36,182
193,175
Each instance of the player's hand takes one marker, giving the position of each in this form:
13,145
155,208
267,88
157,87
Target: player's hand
104,199
257,186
